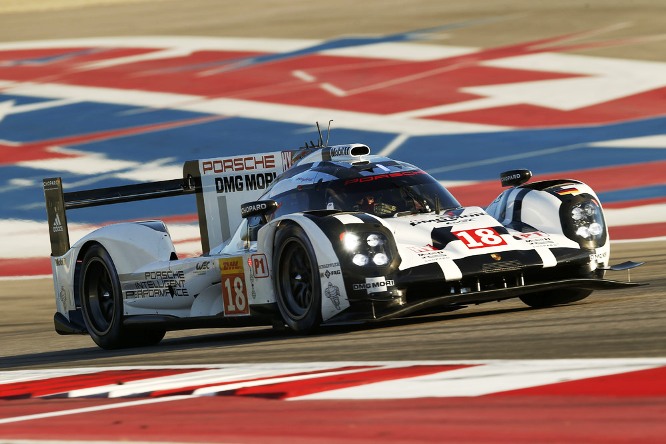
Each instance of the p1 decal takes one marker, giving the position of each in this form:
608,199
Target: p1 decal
234,291
259,265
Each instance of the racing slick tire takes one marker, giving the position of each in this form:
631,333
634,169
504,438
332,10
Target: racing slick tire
297,281
102,304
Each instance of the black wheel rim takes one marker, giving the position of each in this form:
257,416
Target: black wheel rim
98,296
296,279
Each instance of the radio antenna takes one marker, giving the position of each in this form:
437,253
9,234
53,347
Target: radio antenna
328,132
321,138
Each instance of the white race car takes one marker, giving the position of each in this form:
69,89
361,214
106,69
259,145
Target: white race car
321,235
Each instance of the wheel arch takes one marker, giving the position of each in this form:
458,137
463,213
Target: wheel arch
131,245
324,252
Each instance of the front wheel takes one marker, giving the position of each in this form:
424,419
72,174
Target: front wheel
297,282
102,304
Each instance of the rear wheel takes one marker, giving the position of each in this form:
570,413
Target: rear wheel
298,286
102,304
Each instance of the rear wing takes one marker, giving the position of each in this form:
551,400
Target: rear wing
221,185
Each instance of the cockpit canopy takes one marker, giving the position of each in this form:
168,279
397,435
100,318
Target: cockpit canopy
379,186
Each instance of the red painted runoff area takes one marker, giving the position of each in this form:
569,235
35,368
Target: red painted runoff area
513,419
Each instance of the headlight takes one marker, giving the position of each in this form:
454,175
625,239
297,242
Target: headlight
360,259
587,220
350,241
577,213
595,229
374,240
366,249
380,259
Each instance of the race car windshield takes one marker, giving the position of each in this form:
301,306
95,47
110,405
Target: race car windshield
390,195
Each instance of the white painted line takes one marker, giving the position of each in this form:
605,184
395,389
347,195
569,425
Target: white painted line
394,145
637,215
302,115
329,87
126,60
482,380
192,43
304,76
98,408
657,141
599,80
402,51
500,159
470,105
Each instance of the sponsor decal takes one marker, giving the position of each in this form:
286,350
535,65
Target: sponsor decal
234,292
305,180
333,293
59,261
231,265
259,265
57,225
332,269
510,177
245,163
374,285
428,253
383,176
232,184
448,220
286,160
328,273
480,238
159,284
245,209
62,295
536,239
202,268
599,257
50,185
340,150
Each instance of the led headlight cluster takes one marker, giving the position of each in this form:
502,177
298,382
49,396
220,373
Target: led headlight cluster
587,219
366,248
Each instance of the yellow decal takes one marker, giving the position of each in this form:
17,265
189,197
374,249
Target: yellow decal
234,293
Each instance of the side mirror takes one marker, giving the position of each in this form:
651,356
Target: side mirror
513,178
258,208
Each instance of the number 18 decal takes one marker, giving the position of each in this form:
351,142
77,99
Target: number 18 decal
480,238
234,294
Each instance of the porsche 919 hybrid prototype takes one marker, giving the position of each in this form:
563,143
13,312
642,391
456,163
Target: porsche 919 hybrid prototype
321,235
